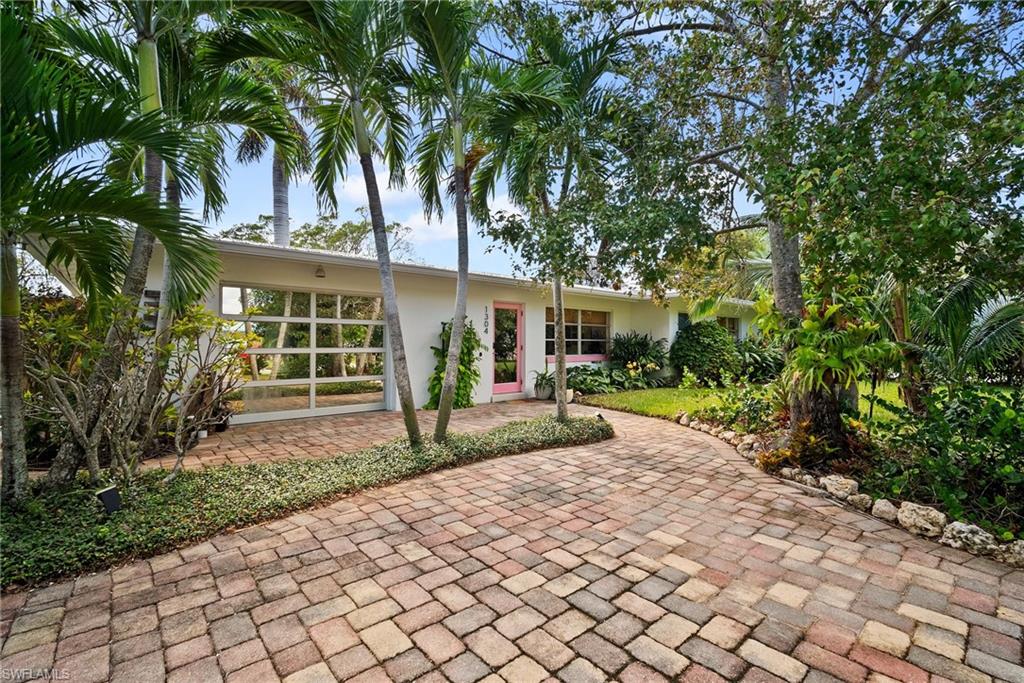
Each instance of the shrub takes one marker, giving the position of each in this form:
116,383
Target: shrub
57,533
963,453
589,379
760,360
745,409
707,350
469,372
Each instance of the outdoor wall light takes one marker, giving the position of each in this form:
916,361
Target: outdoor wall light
111,499
320,272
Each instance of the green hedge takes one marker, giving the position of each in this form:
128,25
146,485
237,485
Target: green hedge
60,533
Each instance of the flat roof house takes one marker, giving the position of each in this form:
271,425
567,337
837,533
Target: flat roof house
325,349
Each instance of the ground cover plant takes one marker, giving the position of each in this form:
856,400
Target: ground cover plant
58,533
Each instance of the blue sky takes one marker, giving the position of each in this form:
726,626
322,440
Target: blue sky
434,242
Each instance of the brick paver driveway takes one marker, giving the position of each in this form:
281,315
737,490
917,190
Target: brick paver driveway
660,553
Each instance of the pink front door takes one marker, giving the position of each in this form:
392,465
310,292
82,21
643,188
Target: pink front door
507,345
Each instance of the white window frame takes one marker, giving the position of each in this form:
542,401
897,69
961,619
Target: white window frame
581,357
312,350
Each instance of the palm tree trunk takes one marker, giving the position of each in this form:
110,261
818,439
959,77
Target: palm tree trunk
451,368
282,238
12,378
108,367
561,380
387,278
910,370
161,336
282,232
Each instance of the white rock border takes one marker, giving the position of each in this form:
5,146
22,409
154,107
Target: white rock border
917,519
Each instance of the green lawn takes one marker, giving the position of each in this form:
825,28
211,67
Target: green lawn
668,402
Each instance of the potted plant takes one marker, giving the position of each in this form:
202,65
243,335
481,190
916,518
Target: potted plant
543,383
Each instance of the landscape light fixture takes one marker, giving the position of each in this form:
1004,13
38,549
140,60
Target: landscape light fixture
111,499
320,272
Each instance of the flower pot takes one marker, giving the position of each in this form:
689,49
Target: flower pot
221,426
203,434
543,393
569,395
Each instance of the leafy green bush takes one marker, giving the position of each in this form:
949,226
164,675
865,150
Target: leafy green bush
57,533
469,372
760,360
964,454
589,379
707,350
744,409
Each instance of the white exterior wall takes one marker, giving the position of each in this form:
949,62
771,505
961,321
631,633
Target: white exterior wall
426,299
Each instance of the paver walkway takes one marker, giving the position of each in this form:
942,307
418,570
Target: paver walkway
658,554
322,437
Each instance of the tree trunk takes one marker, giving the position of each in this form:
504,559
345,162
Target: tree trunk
161,336
911,377
368,337
561,380
451,369
254,366
816,412
282,333
12,378
282,238
282,232
108,367
387,278
339,368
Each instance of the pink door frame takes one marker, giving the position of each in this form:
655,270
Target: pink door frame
517,386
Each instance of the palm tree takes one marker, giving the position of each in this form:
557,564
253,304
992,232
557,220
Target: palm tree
445,87
971,326
457,97
546,156
292,92
72,209
350,53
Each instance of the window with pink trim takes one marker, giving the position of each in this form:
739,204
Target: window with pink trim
586,334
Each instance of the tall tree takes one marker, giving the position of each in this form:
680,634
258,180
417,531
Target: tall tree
443,31
458,95
729,87
548,158
351,53
72,209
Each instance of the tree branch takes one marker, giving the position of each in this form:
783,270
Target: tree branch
709,156
730,96
676,26
878,75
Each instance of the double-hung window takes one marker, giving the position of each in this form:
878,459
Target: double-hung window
731,324
586,334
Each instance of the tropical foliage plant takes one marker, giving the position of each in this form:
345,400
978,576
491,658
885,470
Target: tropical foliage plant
469,367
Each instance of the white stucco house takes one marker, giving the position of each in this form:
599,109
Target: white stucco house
324,347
